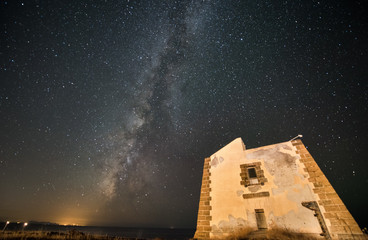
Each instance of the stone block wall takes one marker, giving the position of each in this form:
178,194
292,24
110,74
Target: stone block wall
342,224
203,221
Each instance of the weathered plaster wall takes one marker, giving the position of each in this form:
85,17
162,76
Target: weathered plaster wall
227,207
233,205
288,186
290,190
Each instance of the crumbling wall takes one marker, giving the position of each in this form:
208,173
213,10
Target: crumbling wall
287,185
275,186
340,222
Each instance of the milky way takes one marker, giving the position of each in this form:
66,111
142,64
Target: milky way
107,109
152,110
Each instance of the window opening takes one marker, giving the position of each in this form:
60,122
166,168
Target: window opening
252,173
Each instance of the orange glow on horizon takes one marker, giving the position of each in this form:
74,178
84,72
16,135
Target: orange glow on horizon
78,216
70,221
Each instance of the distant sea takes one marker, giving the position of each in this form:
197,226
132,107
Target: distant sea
140,233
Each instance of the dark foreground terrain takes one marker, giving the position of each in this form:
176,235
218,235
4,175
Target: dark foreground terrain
246,234
44,235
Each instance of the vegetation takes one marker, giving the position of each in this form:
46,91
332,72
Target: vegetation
42,235
273,234
286,234
241,234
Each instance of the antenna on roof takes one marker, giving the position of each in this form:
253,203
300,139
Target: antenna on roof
299,136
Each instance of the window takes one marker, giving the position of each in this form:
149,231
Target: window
252,173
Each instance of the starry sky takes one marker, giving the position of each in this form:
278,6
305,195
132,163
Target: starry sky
108,108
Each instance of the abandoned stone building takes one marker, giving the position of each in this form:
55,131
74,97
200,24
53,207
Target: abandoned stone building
275,186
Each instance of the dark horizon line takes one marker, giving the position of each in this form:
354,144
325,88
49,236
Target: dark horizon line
2,222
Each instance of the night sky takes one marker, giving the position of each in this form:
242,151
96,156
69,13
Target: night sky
108,108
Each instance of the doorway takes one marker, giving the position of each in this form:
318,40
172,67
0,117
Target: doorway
261,219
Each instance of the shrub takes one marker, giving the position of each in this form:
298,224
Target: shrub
287,234
241,234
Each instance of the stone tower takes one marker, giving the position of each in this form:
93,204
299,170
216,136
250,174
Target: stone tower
275,186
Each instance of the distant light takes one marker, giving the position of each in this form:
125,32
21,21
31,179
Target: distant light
7,222
25,224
